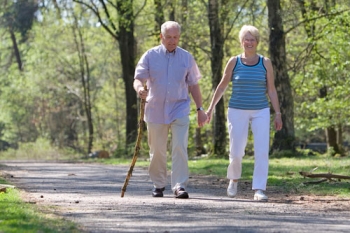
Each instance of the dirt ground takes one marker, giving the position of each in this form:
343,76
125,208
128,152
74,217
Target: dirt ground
89,194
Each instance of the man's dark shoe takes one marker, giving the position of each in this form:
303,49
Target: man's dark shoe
181,193
158,192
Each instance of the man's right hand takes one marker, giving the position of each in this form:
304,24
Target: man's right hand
142,93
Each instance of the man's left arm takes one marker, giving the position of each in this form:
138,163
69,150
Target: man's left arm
197,97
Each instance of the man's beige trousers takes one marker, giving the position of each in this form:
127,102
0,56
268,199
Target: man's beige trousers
158,141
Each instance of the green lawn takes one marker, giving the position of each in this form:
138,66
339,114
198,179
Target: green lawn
18,216
283,172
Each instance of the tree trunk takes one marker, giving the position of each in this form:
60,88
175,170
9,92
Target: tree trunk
171,11
283,139
216,40
16,50
331,135
199,143
184,20
340,139
127,51
85,81
158,17
87,100
184,8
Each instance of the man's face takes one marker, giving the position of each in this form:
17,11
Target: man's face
171,38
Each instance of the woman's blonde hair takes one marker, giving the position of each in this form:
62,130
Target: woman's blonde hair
249,29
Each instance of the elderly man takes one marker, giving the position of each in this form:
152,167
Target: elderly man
170,73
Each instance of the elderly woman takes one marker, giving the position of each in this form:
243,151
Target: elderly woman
252,84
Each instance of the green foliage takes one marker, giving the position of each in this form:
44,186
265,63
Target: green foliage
322,93
17,216
45,99
19,16
41,149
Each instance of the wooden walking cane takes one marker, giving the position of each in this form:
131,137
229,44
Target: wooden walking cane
137,145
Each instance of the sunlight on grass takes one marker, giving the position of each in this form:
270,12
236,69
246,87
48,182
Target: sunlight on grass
17,216
283,172
38,150
215,167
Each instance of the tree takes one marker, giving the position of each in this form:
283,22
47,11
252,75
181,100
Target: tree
123,33
16,20
318,20
19,17
158,17
284,139
217,45
85,77
218,16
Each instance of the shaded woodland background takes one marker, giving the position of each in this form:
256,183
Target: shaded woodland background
67,66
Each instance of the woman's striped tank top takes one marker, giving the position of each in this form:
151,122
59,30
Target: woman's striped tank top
249,86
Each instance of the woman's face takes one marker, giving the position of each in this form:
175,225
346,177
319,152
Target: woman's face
249,42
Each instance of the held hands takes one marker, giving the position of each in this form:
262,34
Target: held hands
204,117
210,115
201,118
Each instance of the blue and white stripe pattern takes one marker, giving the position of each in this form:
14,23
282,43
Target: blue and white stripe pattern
249,86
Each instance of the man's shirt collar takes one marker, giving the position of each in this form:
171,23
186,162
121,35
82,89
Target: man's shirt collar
166,51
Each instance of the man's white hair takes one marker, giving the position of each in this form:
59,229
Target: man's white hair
169,24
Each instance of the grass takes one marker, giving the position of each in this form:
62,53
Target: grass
18,216
283,172
39,150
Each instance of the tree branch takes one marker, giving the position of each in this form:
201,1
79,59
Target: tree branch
143,6
315,18
233,22
328,176
94,9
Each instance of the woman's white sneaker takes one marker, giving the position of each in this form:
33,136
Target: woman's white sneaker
260,196
232,189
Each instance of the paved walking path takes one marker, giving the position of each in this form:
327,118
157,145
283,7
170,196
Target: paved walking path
89,194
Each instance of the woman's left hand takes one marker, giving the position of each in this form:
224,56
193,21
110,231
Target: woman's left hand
278,122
